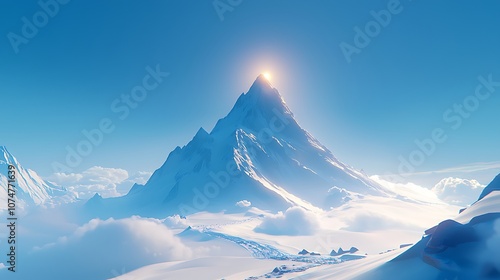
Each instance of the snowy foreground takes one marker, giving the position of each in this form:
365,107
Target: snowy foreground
445,252
246,245
251,244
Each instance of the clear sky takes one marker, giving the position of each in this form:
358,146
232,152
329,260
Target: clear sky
396,88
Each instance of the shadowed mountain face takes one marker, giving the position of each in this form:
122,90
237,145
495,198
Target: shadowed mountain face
493,186
258,153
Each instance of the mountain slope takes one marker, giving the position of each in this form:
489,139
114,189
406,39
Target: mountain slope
463,248
258,153
493,186
31,189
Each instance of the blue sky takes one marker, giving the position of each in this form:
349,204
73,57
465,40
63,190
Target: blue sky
368,111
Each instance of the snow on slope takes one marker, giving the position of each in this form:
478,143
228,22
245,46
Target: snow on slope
488,202
372,224
463,248
227,268
31,189
257,153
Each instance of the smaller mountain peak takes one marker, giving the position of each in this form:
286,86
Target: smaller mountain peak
95,201
135,188
201,138
201,134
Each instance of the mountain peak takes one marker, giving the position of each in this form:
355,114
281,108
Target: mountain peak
6,156
201,136
3,150
261,84
262,94
31,189
256,108
257,153
262,91
201,133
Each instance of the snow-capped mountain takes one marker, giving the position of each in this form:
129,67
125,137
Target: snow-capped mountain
257,153
31,189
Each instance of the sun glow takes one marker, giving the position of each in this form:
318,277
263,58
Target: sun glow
267,76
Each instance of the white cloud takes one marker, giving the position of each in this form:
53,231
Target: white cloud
409,190
243,203
108,182
373,221
66,178
458,191
140,177
295,221
99,247
175,222
103,175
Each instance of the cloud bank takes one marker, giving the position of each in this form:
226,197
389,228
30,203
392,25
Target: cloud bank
175,222
373,221
108,182
295,221
409,190
458,191
99,248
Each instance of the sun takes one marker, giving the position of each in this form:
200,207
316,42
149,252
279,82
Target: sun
267,76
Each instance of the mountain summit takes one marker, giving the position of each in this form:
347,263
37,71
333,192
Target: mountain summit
5,156
256,108
258,153
261,84
263,94
31,190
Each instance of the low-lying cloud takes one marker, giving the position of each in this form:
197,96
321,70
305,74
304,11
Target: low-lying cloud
369,222
409,190
100,247
108,182
295,221
175,222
